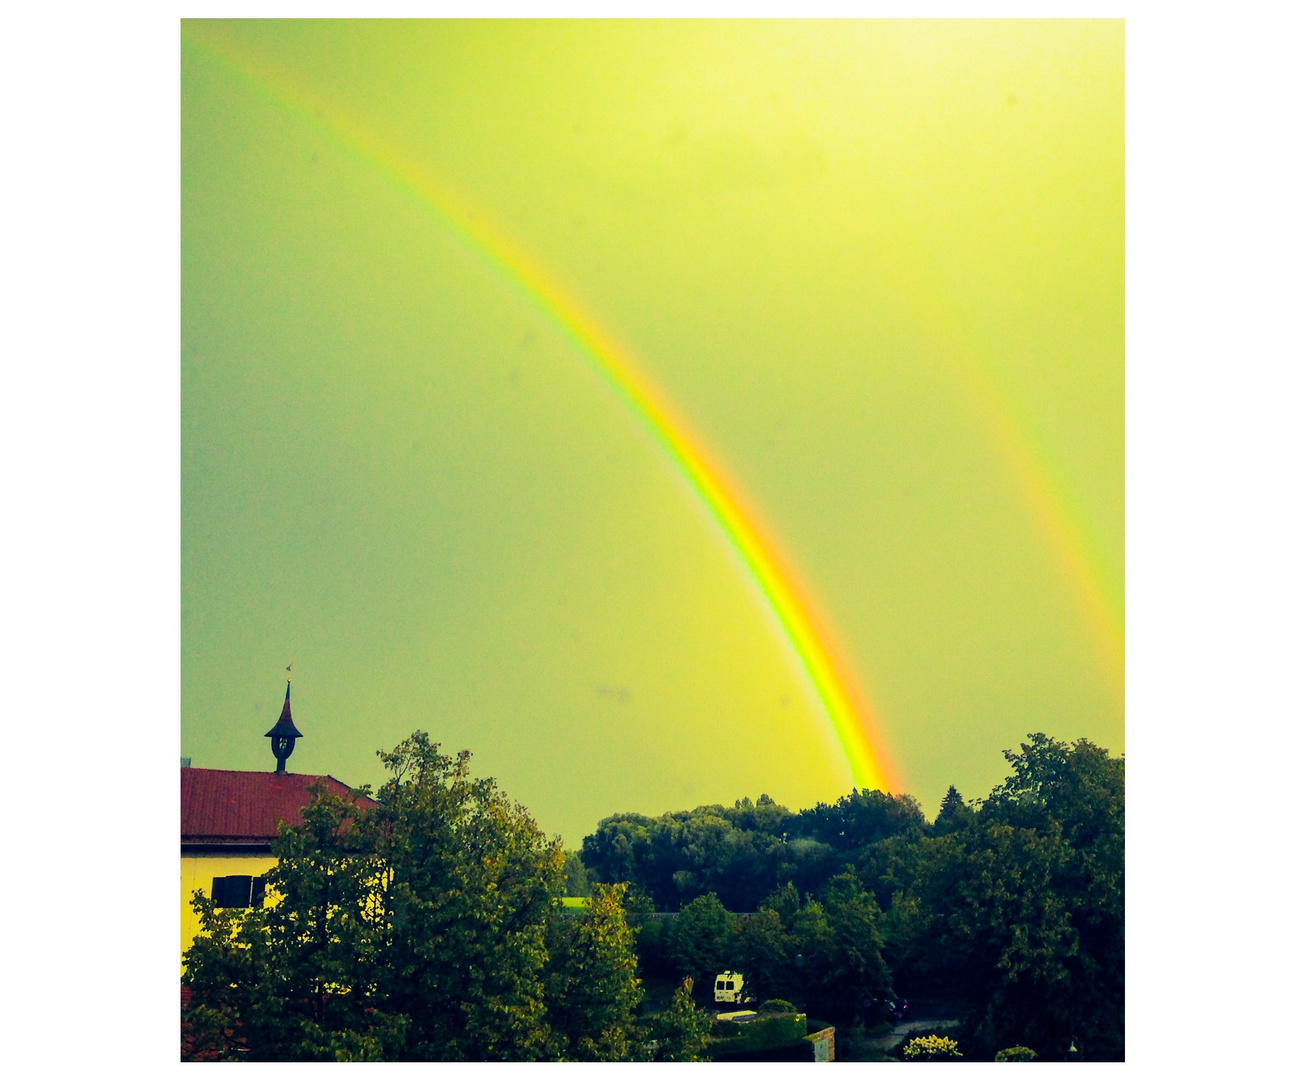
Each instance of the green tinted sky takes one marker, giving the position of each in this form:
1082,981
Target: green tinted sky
877,268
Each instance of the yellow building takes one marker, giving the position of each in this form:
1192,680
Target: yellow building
229,819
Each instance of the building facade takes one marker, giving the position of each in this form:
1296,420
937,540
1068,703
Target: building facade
229,819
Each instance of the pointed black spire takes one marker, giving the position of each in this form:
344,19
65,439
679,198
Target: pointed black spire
285,733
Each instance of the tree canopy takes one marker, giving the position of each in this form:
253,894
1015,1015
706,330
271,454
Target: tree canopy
1013,903
430,926
418,930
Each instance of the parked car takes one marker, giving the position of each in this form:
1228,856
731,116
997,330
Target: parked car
892,1010
899,1010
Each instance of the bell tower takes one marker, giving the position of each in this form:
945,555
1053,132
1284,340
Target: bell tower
285,733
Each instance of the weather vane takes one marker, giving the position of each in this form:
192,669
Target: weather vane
288,677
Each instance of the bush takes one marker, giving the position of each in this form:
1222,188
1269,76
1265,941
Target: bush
764,1033
1015,1053
797,1051
777,1005
931,1048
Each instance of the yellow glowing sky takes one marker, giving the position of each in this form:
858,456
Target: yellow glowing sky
877,268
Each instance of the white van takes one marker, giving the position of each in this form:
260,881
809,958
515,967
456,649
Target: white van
729,987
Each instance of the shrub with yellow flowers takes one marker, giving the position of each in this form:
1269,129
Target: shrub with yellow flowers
931,1048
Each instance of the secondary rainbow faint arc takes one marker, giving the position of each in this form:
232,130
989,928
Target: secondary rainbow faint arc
846,707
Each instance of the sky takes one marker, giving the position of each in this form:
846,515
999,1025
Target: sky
871,277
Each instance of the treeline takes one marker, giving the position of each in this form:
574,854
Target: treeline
430,927
1011,908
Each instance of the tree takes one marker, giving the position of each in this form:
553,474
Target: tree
904,925
1021,909
855,968
618,849
765,954
701,939
575,875
650,935
1077,791
766,816
290,982
680,1033
813,940
593,992
638,906
1080,787
861,818
414,931
785,902
841,946
470,885
953,814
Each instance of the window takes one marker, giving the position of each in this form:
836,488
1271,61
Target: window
720,984
238,890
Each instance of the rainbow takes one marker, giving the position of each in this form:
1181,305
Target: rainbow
1083,573
847,709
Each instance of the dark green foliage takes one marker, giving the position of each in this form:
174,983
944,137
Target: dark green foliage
414,931
802,1050
1021,911
680,1033
785,902
468,888
777,1005
765,951
742,853
619,850
638,906
853,967
735,852
701,940
649,933
1012,905
429,927
575,876
953,814
276,983
592,991
763,1033
827,952
862,818
652,944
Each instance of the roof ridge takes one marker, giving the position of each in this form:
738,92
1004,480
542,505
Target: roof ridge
261,772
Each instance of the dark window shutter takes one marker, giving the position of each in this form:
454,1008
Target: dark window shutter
232,891
257,892
238,888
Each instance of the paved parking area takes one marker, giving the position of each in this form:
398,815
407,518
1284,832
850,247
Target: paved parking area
894,1037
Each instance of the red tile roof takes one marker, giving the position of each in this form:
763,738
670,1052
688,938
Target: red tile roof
226,805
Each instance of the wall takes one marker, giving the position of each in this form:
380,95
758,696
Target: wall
198,872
